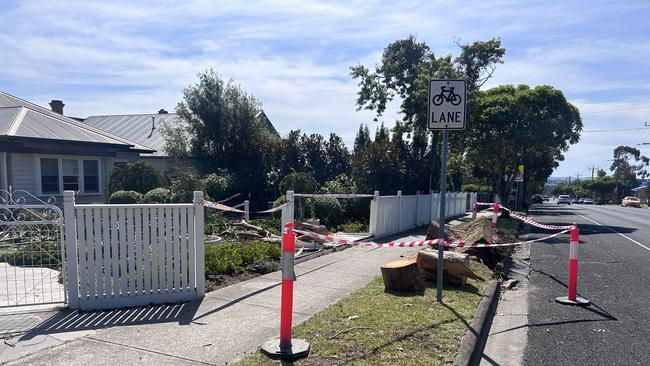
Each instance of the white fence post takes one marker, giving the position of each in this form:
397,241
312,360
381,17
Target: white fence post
247,215
374,214
287,212
399,211
417,209
199,242
71,259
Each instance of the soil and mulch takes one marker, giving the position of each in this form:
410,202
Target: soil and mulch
480,231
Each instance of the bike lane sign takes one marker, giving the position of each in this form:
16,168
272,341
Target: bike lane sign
447,104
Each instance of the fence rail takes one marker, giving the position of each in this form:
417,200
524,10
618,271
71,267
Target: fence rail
394,214
131,255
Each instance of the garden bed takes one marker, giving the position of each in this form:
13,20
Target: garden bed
228,263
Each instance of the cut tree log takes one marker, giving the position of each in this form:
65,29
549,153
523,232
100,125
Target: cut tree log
433,232
455,266
319,229
402,275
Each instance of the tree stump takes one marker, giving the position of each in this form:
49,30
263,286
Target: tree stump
455,266
402,275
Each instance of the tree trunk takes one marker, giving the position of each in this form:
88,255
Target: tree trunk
402,275
455,266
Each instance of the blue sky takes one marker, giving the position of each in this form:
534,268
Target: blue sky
117,57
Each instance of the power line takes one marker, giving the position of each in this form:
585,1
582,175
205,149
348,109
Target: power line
619,129
618,110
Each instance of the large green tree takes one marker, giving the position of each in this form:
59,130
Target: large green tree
223,132
519,125
403,75
406,67
628,165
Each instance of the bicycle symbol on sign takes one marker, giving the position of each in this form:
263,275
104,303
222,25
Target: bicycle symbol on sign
447,95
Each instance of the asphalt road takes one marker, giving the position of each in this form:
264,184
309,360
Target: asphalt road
614,273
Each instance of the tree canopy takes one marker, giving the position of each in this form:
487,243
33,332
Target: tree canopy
628,165
519,125
406,67
223,132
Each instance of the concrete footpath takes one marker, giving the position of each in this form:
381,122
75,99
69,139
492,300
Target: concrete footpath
225,326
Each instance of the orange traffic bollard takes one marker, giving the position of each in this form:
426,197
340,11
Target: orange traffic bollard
287,348
572,298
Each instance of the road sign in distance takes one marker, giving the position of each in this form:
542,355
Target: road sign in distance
447,104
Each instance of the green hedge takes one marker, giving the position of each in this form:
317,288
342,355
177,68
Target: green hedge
328,210
127,197
158,195
44,254
228,258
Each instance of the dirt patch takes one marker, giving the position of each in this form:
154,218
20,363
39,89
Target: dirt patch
480,230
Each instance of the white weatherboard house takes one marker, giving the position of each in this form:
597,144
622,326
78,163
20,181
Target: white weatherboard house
44,152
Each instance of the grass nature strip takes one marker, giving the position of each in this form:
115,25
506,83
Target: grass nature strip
374,327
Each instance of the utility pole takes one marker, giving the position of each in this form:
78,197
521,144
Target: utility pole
592,171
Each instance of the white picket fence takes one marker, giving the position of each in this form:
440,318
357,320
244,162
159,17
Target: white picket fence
132,255
394,214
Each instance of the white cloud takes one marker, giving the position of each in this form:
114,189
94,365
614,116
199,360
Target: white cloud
129,57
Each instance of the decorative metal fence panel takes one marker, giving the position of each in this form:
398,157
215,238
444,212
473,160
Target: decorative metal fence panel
131,255
32,268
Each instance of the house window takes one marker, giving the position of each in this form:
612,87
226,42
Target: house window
49,176
91,176
70,175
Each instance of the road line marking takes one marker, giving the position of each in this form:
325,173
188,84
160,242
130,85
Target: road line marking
612,230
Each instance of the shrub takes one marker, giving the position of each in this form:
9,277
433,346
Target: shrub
353,209
140,177
42,254
125,197
186,182
303,207
476,188
298,182
158,195
218,186
328,210
353,227
341,184
228,258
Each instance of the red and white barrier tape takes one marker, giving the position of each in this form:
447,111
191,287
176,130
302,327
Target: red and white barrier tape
531,222
527,219
422,243
222,207
334,195
274,209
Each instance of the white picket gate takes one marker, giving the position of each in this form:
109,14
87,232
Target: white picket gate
132,255
394,214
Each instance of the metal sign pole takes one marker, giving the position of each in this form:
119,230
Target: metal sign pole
447,109
443,196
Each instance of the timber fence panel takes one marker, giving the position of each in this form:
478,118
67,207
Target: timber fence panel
133,255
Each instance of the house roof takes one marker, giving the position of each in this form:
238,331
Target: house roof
143,129
21,119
